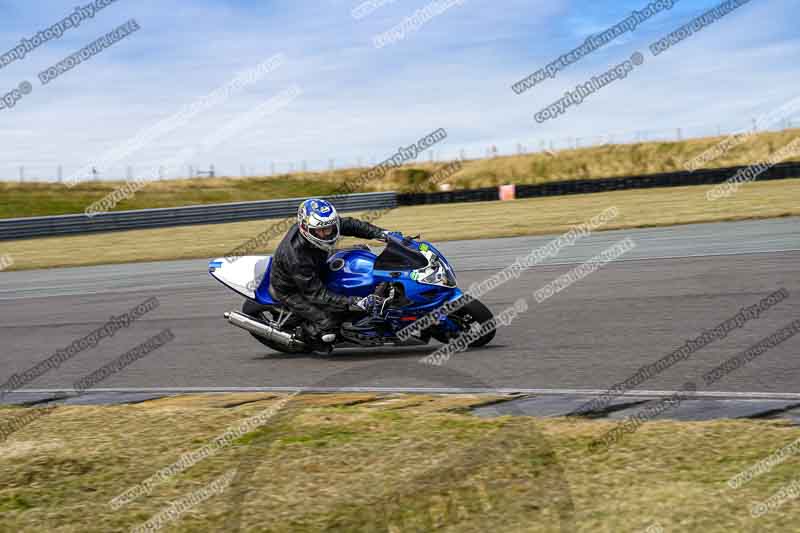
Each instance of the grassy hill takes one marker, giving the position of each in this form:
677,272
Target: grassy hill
35,199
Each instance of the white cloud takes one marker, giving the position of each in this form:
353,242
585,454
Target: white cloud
455,73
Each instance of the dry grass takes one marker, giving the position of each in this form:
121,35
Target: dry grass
41,199
365,462
681,205
616,160
29,199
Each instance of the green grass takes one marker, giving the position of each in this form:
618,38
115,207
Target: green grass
14,502
24,200
399,463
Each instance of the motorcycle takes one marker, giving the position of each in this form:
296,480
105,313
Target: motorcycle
413,276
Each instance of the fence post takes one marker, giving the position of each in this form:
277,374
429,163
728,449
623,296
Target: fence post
60,173
21,174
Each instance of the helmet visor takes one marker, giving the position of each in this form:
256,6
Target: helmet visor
326,233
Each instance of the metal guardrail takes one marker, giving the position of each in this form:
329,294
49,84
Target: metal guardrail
24,228
50,226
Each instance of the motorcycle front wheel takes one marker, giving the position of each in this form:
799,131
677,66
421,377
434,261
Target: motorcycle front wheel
467,317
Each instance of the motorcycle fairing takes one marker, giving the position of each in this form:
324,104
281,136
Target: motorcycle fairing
247,275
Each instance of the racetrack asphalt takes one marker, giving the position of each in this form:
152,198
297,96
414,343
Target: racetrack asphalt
677,282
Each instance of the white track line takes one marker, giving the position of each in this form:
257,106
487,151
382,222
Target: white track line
433,390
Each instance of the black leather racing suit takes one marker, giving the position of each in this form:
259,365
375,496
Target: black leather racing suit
296,276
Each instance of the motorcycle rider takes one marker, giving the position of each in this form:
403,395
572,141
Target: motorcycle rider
299,261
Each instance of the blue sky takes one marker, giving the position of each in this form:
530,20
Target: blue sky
454,72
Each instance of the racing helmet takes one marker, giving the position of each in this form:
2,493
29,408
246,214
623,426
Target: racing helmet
318,222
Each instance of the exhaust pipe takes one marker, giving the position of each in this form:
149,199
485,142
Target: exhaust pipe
264,330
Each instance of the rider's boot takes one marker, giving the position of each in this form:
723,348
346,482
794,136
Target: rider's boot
320,342
323,343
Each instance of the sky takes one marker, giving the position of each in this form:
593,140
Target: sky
358,102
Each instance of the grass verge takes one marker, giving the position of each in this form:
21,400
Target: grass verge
362,462
436,223
39,199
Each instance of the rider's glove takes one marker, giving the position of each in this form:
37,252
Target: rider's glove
384,236
372,304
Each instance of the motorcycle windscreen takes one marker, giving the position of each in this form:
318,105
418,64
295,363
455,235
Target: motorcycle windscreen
398,256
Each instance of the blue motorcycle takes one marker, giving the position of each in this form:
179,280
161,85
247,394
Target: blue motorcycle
413,276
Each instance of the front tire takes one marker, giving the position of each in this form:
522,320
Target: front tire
467,317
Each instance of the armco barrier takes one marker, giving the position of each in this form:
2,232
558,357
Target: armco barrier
560,188
24,228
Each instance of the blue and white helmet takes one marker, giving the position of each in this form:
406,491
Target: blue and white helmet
318,222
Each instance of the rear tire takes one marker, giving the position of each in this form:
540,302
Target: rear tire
472,313
263,313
